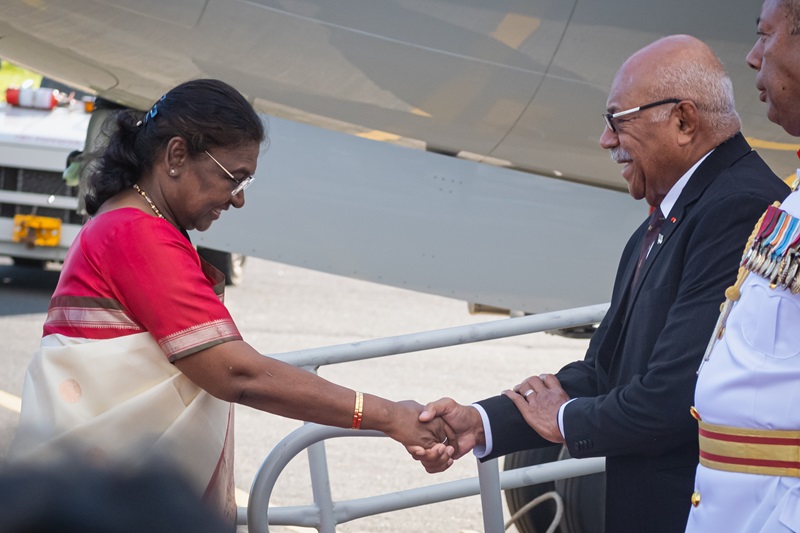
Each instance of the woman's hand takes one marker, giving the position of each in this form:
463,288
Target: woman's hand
432,443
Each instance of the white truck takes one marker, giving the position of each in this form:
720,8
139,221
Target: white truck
38,211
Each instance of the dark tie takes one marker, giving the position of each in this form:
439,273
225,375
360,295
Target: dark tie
656,221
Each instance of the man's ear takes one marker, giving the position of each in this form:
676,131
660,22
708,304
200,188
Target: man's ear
688,121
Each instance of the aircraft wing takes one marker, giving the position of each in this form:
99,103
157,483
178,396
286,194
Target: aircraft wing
514,88
516,83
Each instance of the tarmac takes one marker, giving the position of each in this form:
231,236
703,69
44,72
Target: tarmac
280,308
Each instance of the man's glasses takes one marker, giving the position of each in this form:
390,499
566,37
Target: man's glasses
610,117
241,184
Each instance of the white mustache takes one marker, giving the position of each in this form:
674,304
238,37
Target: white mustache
618,155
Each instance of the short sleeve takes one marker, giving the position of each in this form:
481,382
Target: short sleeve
156,275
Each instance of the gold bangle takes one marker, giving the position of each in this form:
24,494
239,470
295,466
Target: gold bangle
358,411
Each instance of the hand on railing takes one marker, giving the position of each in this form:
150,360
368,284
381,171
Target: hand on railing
431,442
539,399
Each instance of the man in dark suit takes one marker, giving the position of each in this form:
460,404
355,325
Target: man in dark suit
671,121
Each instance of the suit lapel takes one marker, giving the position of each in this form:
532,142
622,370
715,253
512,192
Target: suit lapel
618,314
720,159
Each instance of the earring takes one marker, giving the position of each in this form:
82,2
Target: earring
172,172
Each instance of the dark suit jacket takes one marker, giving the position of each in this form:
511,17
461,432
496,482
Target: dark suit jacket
636,384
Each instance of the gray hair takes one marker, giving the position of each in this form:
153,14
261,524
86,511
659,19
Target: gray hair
708,87
792,9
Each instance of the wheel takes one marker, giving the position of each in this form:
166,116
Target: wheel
230,264
538,519
584,501
584,497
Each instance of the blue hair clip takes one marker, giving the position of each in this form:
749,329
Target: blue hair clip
153,110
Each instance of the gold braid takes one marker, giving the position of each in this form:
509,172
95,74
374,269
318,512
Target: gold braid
733,293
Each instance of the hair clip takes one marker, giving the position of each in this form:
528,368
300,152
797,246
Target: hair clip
153,111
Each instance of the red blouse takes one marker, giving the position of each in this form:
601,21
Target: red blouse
128,272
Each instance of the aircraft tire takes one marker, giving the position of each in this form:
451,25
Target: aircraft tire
538,519
583,497
584,501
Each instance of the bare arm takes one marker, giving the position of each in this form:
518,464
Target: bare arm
235,372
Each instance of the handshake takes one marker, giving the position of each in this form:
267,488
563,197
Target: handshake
444,430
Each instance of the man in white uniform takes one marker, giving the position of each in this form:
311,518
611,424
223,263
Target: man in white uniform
747,398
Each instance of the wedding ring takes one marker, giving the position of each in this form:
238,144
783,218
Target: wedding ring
528,393
444,441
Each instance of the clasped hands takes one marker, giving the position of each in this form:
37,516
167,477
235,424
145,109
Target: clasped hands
538,399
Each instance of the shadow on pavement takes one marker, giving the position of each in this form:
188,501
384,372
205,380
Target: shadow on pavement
26,290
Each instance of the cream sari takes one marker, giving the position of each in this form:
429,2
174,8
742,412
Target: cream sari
119,401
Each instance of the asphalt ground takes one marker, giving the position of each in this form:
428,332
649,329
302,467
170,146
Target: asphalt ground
280,308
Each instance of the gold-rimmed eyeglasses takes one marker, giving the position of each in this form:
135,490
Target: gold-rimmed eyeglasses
241,184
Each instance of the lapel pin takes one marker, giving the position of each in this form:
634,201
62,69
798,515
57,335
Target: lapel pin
673,220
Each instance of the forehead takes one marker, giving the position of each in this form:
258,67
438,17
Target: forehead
784,45
627,89
244,154
773,14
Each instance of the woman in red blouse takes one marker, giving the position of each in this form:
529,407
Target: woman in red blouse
139,355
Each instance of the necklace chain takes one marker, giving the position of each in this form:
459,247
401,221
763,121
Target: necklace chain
149,201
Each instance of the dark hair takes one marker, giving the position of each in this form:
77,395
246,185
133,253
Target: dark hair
206,113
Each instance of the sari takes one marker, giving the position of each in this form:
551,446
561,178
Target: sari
102,384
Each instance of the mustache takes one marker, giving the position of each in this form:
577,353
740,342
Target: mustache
618,155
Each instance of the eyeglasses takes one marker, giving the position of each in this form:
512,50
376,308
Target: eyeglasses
241,184
609,117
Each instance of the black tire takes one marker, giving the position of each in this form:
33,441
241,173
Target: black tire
230,264
584,501
538,519
584,497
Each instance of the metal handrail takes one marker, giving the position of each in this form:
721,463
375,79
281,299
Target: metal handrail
259,516
440,338
325,514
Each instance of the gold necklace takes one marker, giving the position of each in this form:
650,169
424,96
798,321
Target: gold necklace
149,201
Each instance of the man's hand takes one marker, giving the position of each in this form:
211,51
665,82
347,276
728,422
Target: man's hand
539,398
464,422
